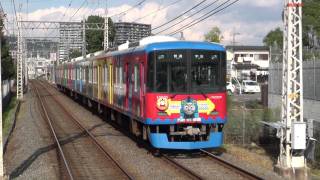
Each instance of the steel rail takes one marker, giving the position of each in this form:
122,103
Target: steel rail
188,172
88,132
54,134
231,166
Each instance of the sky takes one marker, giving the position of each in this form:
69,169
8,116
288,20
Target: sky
250,20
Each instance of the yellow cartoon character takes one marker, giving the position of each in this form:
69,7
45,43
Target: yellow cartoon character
162,103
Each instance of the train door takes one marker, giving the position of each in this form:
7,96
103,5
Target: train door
105,83
142,89
136,89
110,84
99,82
80,78
130,86
127,77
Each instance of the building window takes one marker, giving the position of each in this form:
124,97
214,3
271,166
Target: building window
263,57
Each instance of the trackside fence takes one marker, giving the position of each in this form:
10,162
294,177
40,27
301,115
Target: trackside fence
244,125
7,86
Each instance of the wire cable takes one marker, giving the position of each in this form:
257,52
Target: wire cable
156,11
204,17
197,12
124,12
83,3
65,12
179,15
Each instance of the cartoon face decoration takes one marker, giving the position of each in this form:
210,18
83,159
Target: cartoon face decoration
162,103
189,108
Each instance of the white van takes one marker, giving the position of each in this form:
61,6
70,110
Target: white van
249,86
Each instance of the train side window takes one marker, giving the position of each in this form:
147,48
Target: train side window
136,78
105,74
84,74
90,74
93,75
120,74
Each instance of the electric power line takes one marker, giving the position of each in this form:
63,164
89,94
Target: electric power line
197,12
198,20
124,12
156,11
85,1
69,5
179,15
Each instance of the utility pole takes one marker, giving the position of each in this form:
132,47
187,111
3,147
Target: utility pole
19,64
106,29
24,57
233,61
1,143
291,161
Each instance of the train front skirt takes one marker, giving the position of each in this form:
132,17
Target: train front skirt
160,140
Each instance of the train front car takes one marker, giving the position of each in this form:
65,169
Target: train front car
186,95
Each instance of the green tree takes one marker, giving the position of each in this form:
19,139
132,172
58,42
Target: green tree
310,20
214,35
74,53
274,36
7,65
94,38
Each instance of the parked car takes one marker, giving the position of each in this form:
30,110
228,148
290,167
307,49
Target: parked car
249,86
230,88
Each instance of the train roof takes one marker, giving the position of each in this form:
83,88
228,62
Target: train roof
158,46
171,45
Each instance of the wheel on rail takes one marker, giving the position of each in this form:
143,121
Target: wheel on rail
156,152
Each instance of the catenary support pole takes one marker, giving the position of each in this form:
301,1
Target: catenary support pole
1,142
291,161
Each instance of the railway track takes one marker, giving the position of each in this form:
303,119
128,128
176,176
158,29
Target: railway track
71,173
232,167
54,134
185,170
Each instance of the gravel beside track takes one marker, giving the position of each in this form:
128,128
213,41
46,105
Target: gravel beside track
255,169
137,160
84,157
204,166
30,152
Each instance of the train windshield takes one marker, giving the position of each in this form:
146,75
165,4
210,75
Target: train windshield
186,71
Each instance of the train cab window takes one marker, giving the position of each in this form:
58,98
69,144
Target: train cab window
186,71
206,71
171,71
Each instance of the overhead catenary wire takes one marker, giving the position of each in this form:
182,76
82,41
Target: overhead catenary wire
15,12
82,4
4,18
156,11
179,15
202,18
179,22
65,12
124,12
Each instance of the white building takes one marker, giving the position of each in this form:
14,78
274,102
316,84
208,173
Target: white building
248,62
37,66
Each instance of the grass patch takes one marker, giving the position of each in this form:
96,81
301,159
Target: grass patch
7,116
254,156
